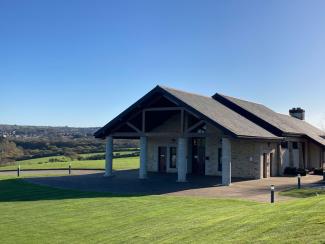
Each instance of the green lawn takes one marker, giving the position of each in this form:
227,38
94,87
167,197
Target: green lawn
38,214
115,153
42,163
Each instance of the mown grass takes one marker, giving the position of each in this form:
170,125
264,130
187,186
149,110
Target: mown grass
115,153
42,163
303,193
37,214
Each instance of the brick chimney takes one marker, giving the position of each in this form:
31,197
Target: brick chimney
298,113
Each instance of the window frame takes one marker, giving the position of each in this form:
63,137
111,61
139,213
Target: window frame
219,159
171,154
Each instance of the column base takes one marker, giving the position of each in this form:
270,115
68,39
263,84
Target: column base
181,181
226,184
109,175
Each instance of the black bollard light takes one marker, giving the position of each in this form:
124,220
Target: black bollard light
70,169
299,181
272,193
18,171
323,174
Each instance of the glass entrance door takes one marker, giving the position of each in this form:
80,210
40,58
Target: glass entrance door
162,158
198,156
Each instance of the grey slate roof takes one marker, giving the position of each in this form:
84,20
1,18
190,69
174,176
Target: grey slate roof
221,114
228,119
285,123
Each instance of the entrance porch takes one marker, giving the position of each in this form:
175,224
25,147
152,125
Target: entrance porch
184,156
176,138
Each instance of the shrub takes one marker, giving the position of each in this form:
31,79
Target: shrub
290,171
294,171
302,172
318,171
94,157
53,160
70,154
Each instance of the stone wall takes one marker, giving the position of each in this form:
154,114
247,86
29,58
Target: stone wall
152,152
285,158
170,126
247,158
269,148
247,155
212,144
315,156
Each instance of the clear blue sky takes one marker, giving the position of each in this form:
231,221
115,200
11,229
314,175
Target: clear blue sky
80,63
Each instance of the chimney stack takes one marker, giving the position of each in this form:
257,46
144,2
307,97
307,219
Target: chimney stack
298,113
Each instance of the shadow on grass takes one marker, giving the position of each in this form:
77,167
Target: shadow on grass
14,190
124,183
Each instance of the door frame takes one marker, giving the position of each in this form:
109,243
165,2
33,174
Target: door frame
162,169
203,159
265,167
156,154
272,164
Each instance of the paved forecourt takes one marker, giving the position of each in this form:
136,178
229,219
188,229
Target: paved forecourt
127,182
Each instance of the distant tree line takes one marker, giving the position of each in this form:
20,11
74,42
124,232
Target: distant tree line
45,147
46,131
26,142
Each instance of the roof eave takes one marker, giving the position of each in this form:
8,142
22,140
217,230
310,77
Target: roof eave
101,133
247,114
260,138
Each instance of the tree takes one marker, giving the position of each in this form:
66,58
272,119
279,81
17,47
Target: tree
9,151
69,153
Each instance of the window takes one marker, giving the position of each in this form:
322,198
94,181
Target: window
202,129
284,144
219,159
295,145
172,157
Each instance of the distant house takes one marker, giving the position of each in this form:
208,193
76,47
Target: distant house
187,133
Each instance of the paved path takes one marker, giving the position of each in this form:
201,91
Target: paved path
127,182
256,190
50,172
